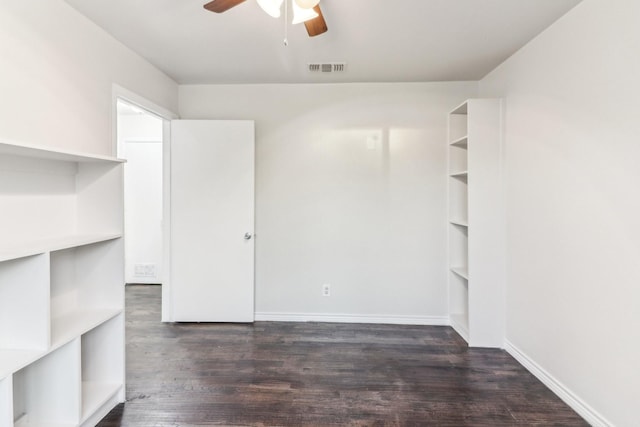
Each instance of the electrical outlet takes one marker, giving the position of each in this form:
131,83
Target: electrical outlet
326,290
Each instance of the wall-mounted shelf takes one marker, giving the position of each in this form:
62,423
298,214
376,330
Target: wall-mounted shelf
61,286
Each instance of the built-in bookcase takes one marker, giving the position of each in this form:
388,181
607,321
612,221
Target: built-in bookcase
61,286
476,223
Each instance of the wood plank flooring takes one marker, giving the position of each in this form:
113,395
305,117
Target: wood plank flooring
319,374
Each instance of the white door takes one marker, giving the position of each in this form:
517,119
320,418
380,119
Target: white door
212,219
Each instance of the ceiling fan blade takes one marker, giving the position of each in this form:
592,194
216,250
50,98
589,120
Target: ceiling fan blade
316,26
219,6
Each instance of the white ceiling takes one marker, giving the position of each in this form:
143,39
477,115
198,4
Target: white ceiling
380,40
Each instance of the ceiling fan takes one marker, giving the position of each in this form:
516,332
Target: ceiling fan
307,11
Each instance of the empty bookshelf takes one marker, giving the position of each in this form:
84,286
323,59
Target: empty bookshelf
61,286
476,223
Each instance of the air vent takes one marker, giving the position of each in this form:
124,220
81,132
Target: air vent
328,67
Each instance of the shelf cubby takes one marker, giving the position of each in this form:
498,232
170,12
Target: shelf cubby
458,201
102,368
86,288
457,158
458,126
459,247
24,311
459,304
43,199
47,392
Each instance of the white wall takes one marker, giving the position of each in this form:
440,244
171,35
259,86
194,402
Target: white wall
573,173
57,74
140,142
350,191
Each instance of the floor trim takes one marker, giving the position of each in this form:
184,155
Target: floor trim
563,392
352,318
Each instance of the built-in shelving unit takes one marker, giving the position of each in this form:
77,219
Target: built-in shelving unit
61,286
476,224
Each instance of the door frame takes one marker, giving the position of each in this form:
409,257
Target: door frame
120,93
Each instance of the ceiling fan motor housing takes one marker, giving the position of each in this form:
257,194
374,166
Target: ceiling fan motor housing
307,4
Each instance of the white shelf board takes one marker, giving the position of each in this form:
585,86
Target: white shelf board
459,222
71,325
13,360
460,323
462,175
460,142
461,271
24,421
35,247
42,152
95,394
460,109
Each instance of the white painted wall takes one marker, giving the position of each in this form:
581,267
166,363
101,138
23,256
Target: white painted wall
57,74
140,142
572,163
350,191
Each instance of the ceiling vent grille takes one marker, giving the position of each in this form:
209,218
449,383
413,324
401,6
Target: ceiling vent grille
328,67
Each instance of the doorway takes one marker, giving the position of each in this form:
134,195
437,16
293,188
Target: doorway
139,141
212,168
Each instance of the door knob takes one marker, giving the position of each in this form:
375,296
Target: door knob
248,236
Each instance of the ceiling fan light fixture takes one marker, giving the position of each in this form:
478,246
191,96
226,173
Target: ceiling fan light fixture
307,4
271,7
301,15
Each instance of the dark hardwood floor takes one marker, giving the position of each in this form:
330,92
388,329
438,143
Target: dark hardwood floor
319,374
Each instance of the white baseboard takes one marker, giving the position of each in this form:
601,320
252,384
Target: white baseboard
585,411
353,318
